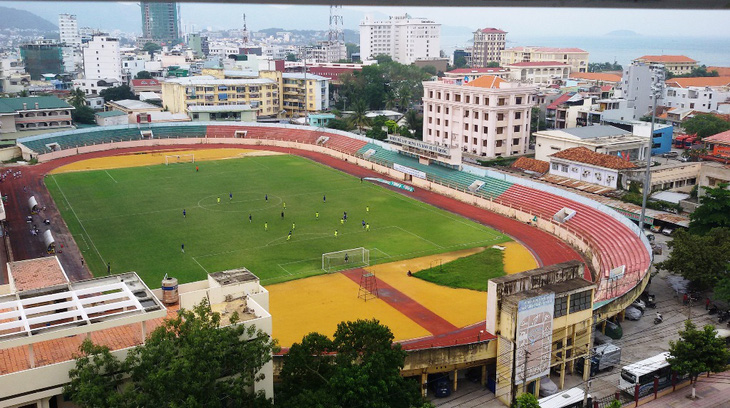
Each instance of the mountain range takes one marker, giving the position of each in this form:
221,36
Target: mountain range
21,19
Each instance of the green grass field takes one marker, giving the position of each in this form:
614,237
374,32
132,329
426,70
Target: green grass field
469,272
133,219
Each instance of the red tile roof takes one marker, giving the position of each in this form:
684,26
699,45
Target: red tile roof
699,81
596,76
536,64
665,58
145,82
562,98
37,273
475,70
606,88
547,49
487,81
723,138
584,155
534,165
722,71
492,30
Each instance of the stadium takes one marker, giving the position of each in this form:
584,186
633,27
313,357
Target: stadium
436,213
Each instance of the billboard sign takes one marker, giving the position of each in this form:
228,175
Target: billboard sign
408,170
534,337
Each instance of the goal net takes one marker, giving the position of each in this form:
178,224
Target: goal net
345,259
179,158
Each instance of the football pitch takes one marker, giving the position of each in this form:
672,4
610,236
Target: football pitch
132,218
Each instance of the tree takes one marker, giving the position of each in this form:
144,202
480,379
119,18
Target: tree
77,98
117,93
352,48
151,48
703,259
83,114
697,352
493,64
704,125
359,367
713,212
414,121
391,125
460,62
535,122
340,124
615,404
143,75
359,112
290,57
430,69
208,365
377,134
526,400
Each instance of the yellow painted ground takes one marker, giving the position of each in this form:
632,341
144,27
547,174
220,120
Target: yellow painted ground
319,303
152,158
517,258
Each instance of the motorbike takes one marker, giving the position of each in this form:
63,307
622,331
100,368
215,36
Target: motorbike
658,319
723,316
713,310
650,302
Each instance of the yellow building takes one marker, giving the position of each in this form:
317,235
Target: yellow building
261,94
575,57
676,64
295,86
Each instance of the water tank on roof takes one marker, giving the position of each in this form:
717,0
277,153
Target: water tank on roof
169,291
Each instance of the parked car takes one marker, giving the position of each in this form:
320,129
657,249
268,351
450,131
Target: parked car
440,385
670,155
604,358
633,313
547,387
667,231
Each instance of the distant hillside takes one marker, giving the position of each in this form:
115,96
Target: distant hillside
21,19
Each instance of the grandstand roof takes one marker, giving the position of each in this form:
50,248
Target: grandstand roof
487,81
722,71
36,273
475,70
587,156
10,105
296,75
219,108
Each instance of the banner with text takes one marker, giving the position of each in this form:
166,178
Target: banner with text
408,170
534,337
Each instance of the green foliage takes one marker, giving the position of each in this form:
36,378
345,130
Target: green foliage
359,367
406,132
637,198
721,291
23,94
498,162
703,259
460,62
151,48
414,122
493,64
340,124
430,69
469,272
645,118
77,98
536,123
615,404
704,125
117,93
605,66
382,59
526,400
143,75
698,351
377,134
290,57
359,112
700,71
379,121
173,354
352,48
142,212
693,192
83,114
391,125
713,212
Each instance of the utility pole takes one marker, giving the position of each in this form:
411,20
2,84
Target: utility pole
524,371
657,86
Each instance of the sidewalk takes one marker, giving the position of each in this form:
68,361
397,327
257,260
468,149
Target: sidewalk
712,392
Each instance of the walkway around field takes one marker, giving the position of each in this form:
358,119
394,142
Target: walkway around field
712,392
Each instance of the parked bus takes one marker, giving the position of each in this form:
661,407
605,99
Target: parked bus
572,398
685,141
643,373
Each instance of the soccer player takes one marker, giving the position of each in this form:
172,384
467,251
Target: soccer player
219,200
342,221
184,215
266,226
266,197
196,169
230,196
367,227
367,209
284,204
293,226
288,237
363,223
347,258
324,198
282,215
316,215
182,247
250,218
335,233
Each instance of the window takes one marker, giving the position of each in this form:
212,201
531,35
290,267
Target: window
485,130
476,100
580,301
446,122
564,168
467,99
474,140
448,96
484,143
517,128
438,121
430,94
476,115
501,102
500,130
518,115
430,119
500,116
457,98
447,110
446,135
555,166
518,100
486,101
430,108
476,128
466,126
438,109
515,141
466,113
466,139
498,143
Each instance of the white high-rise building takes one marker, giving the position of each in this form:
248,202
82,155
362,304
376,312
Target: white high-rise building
403,38
68,29
102,59
636,85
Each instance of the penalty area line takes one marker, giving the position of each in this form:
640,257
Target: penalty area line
196,261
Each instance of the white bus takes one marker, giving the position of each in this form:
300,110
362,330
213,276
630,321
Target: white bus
643,373
572,398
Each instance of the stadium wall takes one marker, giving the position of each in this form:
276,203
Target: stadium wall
605,307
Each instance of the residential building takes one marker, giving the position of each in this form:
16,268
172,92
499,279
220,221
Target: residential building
600,139
102,59
487,117
565,110
537,72
95,86
320,119
303,93
34,113
488,46
636,85
466,54
403,38
662,137
583,164
13,78
145,85
718,145
575,57
131,66
469,74
701,94
132,106
676,64
712,174
40,296
111,118
42,57
160,22
225,113
261,94
198,44
68,30
324,51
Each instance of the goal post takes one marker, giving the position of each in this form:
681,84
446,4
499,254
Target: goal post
345,259
179,158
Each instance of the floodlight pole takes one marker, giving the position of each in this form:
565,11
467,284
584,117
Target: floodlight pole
656,92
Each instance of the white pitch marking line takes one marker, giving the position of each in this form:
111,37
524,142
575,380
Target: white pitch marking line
110,176
77,219
418,236
196,261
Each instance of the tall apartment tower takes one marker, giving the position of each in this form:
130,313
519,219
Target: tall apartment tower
636,85
403,38
488,46
102,59
160,22
68,29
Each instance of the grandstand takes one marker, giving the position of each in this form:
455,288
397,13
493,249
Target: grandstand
607,238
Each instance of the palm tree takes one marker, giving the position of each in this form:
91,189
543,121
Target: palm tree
78,98
414,121
358,117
